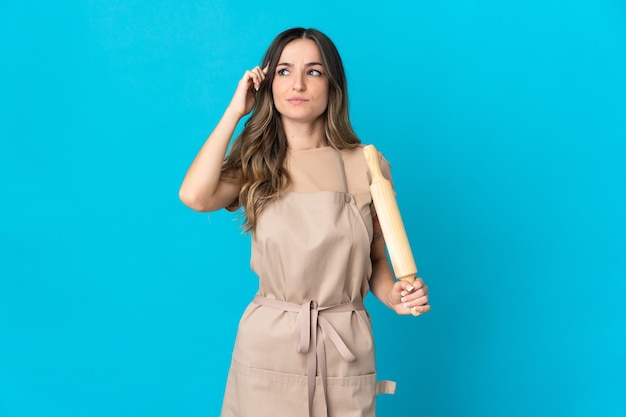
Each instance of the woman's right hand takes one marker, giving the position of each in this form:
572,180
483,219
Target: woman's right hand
245,94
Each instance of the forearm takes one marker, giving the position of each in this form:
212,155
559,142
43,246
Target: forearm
400,296
382,281
199,189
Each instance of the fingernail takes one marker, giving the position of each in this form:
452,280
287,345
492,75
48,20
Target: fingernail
403,293
403,299
406,305
410,288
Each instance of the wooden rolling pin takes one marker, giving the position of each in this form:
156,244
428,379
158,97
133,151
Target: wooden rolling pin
391,224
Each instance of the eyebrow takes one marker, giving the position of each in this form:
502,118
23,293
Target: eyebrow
310,64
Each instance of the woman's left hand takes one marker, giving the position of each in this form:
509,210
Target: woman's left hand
406,298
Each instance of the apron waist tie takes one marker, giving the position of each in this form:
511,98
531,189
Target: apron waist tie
309,323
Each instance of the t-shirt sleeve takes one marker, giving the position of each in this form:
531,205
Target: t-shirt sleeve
385,167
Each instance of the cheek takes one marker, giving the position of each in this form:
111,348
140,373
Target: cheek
276,86
325,91
275,93
276,101
278,91
324,97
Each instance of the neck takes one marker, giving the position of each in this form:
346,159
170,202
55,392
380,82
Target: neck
305,135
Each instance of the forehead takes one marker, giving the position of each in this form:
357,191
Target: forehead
300,50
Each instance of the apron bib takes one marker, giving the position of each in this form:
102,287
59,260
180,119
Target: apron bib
304,345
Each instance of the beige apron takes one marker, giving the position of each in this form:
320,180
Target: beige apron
304,345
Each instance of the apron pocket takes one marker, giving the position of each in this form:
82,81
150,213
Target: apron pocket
353,396
252,392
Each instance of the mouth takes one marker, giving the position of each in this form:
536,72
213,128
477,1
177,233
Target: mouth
297,100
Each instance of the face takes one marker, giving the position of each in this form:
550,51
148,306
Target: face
300,86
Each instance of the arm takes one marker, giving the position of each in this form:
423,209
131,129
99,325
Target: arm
203,189
400,296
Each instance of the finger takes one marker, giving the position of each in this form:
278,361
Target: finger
414,295
419,286
415,298
418,302
248,78
252,78
418,283
415,310
266,69
260,77
256,78
261,73
421,309
406,287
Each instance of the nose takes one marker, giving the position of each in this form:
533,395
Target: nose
298,82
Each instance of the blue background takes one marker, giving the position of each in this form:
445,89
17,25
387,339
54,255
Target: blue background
504,122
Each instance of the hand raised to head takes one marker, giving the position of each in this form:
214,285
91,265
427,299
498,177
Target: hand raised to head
245,94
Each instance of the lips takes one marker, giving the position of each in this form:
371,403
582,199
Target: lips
297,100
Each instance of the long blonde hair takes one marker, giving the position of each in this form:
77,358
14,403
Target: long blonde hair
256,158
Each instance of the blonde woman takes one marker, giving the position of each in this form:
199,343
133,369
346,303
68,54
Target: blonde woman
297,171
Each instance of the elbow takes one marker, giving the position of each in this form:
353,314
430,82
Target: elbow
191,200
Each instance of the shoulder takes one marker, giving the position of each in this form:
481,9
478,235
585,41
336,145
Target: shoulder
358,150
357,153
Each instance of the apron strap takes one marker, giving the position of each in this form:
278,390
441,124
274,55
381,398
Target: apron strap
385,387
341,172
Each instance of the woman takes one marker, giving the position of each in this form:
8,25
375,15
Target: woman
298,171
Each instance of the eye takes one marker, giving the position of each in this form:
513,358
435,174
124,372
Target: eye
315,73
283,72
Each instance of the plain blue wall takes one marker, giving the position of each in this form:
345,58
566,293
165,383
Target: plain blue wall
505,125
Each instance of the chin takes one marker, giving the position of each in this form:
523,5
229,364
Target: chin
301,117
